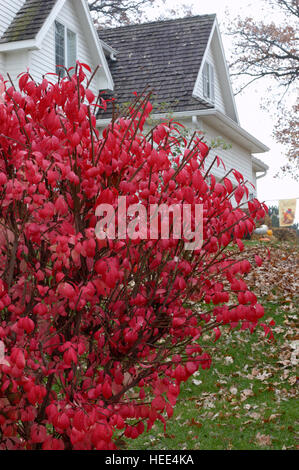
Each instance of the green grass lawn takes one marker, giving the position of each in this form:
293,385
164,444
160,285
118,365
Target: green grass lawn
247,400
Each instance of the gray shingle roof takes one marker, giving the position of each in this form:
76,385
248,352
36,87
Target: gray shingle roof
166,55
28,20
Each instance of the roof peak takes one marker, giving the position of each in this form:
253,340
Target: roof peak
160,22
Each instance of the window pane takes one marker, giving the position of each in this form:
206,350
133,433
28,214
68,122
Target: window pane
206,81
212,84
71,49
59,48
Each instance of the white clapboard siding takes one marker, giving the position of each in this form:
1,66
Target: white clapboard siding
8,10
219,101
15,62
42,61
235,156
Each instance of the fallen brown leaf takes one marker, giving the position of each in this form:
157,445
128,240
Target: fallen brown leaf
263,440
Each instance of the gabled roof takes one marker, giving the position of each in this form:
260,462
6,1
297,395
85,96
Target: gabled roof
166,55
28,21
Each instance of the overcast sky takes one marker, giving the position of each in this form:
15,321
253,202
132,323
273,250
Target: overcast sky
253,119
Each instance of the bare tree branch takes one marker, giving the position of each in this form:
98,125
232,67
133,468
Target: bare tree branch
270,50
123,12
116,12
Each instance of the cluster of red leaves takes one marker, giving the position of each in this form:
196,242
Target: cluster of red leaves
99,334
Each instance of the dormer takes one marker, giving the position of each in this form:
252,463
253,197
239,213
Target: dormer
41,35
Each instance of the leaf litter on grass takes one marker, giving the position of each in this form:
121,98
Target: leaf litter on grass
247,400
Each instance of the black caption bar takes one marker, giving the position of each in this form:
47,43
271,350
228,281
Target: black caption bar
138,459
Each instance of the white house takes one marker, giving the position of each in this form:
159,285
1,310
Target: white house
182,60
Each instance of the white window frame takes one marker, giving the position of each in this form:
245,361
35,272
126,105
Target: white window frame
208,79
66,29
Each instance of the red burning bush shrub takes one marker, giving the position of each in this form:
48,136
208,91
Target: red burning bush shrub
99,334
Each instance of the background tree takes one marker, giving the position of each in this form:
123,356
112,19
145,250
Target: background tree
269,49
122,12
118,11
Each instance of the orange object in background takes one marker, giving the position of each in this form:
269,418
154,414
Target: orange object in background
270,233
